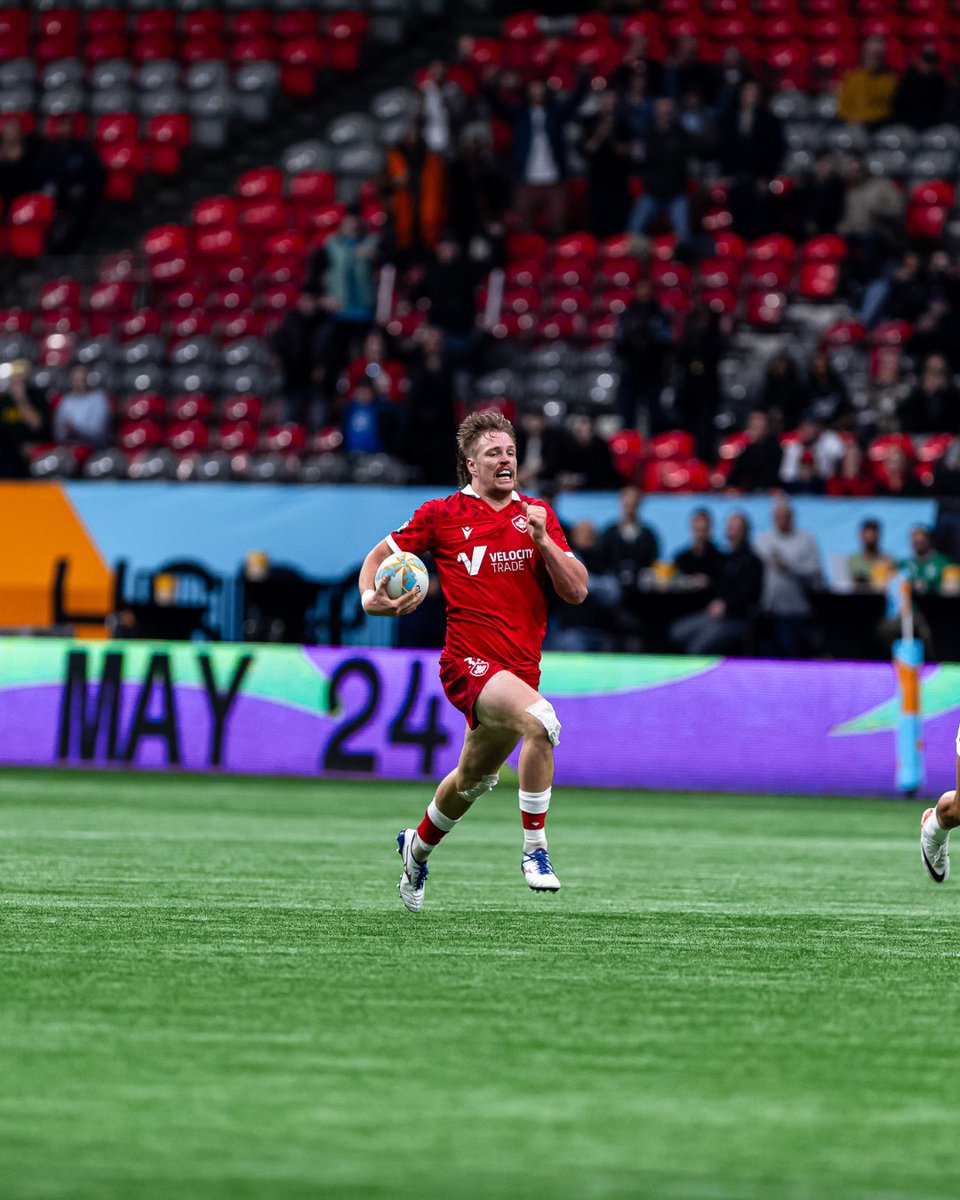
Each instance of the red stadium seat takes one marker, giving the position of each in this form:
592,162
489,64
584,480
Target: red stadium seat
688,475
570,273
250,23
772,274
238,436
189,322
525,246
205,23
14,33
891,333
720,300
243,408
629,450
673,445
261,183
669,275
61,294
775,247
288,244
263,217
220,244
290,438
167,136
143,406
166,239
187,436
297,24
214,211
30,218
828,247
844,333
719,273
508,326
729,245
312,189
618,272
116,127
16,320
301,58
765,309
143,322
140,435
125,163
107,302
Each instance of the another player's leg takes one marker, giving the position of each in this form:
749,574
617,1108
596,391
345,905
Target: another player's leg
510,704
484,752
935,826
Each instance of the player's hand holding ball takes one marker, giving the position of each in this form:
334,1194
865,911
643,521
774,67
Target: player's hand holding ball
399,587
536,516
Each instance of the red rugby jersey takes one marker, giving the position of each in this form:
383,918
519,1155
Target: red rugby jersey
491,573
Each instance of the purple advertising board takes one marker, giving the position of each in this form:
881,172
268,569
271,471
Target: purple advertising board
708,724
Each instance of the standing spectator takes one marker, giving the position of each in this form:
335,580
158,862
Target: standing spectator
538,449
819,198
872,217
585,461
24,422
70,166
431,425
934,404
869,563
812,456
687,70
867,92
341,272
667,151
479,190
448,285
539,151
937,329
415,184
922,94
852,478
17,162
436,117
925,568
701,561
784,393
734,72
791,570
751,146
723,625
366,422
630,545
83,415
300,345
642,339
898,479
698,357
757,466
607,147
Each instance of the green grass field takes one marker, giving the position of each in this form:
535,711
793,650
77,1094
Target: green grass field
210,989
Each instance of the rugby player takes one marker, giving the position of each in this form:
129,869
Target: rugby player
935,826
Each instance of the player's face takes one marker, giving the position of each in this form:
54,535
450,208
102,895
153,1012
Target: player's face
494,466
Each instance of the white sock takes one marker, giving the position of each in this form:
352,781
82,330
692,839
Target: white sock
422,850
934,830
535,804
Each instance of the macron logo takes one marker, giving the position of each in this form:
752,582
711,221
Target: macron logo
472,563
466,530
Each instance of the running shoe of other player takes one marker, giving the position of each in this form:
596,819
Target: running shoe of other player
414,877
538,871
934,851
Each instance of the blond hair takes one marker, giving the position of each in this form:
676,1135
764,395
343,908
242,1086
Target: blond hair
472,429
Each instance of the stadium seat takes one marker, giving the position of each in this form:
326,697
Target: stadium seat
30,218
676,444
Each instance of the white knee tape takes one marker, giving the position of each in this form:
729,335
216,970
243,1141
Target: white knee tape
487,784
958,743
544,712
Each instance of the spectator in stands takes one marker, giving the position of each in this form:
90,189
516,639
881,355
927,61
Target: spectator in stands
366,422
538,449
811,456
757,467
852,478
415,188
820,197
70,167
697,361
791,570
83,415
869,566
722,626
435,113
341,272
18,155
784,394
387,375
539,150
584,461
866,93
934,404
937,328
827,395
641,72
734,72
430,417
925,567
701,562
667,151
637,105
888,390
899,294
897,478
629,544
24,421
922,94
643,336
872,217
587,627
686,70
751,146
479,189
607,146
448,285
946,474
300,344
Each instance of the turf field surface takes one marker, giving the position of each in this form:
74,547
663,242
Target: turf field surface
209,989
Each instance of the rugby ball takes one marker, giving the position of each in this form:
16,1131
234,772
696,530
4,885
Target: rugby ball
403,573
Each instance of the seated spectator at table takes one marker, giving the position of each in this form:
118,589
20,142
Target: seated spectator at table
83,415
300,344
791,570
924,569
867,92
811,457
607,146
667,153
366,422
751,147
629,544
24,422
784,392
869,566
722,626
71,167
819,198
934,404
430,423
757,467
538,449
853,477
584,461
18,162
922,93
644,333
588,626
701,561
387,375
898,479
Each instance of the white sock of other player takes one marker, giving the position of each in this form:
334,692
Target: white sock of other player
533,814
934,830
431,831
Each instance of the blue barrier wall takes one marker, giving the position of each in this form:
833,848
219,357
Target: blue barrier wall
324,531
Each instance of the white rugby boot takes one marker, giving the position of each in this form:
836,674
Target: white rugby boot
414,877
934,847
538,871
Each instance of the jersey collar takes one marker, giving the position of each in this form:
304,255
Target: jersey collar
469,490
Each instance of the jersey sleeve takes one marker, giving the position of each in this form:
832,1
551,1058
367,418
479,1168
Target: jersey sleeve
555,531
417,535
